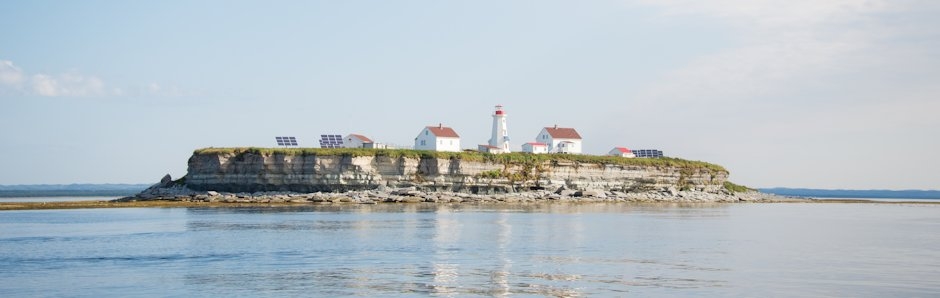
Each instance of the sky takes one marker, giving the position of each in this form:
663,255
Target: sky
792,93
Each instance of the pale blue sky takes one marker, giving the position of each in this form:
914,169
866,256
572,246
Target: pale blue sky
798,93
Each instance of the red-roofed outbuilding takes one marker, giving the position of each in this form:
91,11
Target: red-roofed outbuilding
622,152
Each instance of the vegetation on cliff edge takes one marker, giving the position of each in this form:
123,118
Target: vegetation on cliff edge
507,158
733,188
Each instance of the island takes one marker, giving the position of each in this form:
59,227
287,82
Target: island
369,176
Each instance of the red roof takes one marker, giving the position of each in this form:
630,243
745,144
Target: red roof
537,144
623,149
362,138
563,133
443,131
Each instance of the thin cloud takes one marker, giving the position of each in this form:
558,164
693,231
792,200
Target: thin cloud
762,14
13,80
10,76
156,89
73,85
780,41
827,75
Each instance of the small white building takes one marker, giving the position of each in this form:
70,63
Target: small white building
622,152
438,138
560,139
491,149
356,141
535,148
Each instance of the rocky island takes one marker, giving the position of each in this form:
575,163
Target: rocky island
366,176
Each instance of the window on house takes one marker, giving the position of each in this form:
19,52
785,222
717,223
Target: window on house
423,143
425,132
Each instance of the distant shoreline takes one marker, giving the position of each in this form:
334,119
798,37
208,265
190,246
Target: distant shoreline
65,193
70,190
851,193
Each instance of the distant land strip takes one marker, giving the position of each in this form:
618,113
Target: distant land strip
849,193
70,190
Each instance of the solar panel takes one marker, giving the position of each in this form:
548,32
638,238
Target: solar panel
286,141
651,153
331,141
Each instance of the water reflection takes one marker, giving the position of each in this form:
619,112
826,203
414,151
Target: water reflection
500,277
678,210
474,250
445,240
515,248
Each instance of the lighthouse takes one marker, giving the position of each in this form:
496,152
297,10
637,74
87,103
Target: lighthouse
500,136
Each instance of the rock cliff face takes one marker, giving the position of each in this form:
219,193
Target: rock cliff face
253,172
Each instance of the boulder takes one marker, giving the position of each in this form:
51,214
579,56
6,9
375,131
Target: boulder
415,193
166,180
404,191
591,193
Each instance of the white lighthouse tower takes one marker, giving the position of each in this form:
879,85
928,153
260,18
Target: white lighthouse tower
500,136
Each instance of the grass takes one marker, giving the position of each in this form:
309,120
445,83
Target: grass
508,158
492,174
736,187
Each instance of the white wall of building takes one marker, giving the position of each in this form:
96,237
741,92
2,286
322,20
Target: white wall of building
566,146
425,140
375,146
448,144
534,149
351,141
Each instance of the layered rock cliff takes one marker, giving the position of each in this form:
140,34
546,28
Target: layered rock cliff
248,171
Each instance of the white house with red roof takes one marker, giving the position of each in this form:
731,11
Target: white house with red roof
438,138
560,140
357,141
622,152
535,148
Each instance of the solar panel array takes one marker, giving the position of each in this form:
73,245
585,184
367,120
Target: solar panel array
286,141
648,153
331,141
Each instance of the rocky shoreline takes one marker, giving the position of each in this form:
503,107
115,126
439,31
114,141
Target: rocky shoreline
166,192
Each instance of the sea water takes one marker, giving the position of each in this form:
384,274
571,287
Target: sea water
554,250
48,199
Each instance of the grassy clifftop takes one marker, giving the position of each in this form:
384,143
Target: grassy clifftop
511,158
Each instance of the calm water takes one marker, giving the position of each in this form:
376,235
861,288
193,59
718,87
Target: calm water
55,199
755,250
